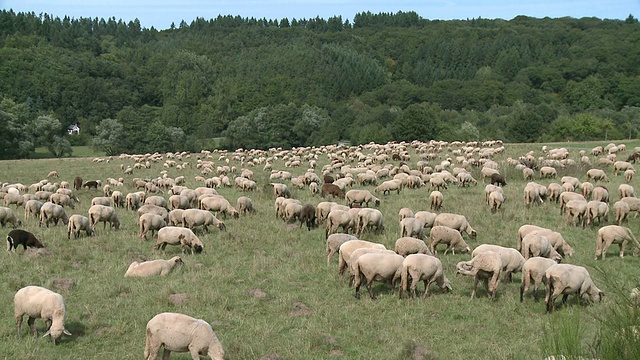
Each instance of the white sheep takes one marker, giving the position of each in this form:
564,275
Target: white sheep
40,303
13,199
196,217
181,333
153,267
102,200
556,240
245,206
150,222
8,216
621,210
153,209
435,200
353,269
567,279
485,266
173,235
597,210
597,175
333,244
405,212
370,218
360,197
428,217
50,212
76,224
32,208
538,245
157,201
534,269
576,209
175,217
179,202
409,245
455,221
348,247
132,201
62,200
613,234
382,266
446,235
389,186
496,199
104,214
532,194
219,205
512,260
340,218
422,267
412,227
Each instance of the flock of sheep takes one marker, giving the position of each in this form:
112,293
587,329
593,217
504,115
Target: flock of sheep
347,210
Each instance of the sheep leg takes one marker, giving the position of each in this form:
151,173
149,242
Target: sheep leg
166,354
426,288
622,249
32,325
475,286
369,288
19,323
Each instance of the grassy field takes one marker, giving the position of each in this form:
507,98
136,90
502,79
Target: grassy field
267,290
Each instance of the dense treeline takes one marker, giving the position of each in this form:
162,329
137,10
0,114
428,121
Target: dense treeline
259,83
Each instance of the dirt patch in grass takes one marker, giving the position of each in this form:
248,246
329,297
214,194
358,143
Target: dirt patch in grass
257,293
177,299
299,309
37,253
271,357
64,284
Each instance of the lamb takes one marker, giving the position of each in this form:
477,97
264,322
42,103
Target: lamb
597,175
409,245
219,205
334,241
538,245
388,186
333,190
153,267
150,222
76,224
512,260
18,237
621,210
597,210
38,302
534,269
181,333
382,266
8,216
566,279
348,247
455,221
613,234
435,200
422,267
370,218
496,199
32,208
50,212
486,265
244,205
173,235
105,214
446,235
412,227
196,217
360,197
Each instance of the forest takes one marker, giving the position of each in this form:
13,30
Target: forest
232,82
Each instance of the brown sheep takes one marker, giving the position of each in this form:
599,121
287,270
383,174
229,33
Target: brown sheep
333,190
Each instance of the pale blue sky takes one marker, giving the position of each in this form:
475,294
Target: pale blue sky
160,13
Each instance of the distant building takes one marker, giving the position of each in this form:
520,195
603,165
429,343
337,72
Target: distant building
73,129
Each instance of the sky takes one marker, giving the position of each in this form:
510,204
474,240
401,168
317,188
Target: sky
161,13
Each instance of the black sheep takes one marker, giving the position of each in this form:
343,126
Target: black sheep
21,237
497,179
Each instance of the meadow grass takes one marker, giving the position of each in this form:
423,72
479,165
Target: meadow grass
266,288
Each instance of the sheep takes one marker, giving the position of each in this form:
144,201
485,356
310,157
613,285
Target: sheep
613,234
486,265
77,183
621,166
496,199
91,184
435,200
292,212
40,303
370,218
587,189
157,201
13,199
455,221
487,172
499,180
43,195
244,205
556,240
532,194
566,279
181,333
428,217
577,209
437,183
538,245
219,205
382,266
76,224
568,196
489,189
333,190
353,267
179,202
597,210
597,175
405,212
534,269
50,212
280,190
132,201
446,235
360,197
18,237
548,172
422,267
62,200
153,209
348,247
412,227
409,245
32,208
621,210
388,186
8,216
150,222
626,190
196,217
512,260
153,267
307,216
173,235
53,174
105,214
629,174
333,244
600,193
527,173
175,217
340,218
102,200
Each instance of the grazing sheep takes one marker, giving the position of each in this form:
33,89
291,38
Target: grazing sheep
348,247
577,209
422,267
360,197
40,303
179,202
157,201
353,267
528,173
512,260
8,216
538,245
625,190
76,224
498,179
613,234
102,200
181,333
132,201
91,184
496,199
219,205
118,198
43,195
382,266
77,183
446,235
153,267
388,186
196,217
334,241
245,206
556,240
150,222
333,190
370,218
455,221
629,174
548,172
62,200
292,212
489,189
621,166
409,245
437,183
568,196
32,208
567,279
484,266
105,214
405,212
412,227
597,210
13,199
340,218
153,209
435,200
281,190
600,193
534,269
307,216
18,237
597,175
621,210
587,189
428,217
532,194
175,217
50,212
173,235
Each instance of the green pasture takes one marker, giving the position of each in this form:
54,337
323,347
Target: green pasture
268,292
